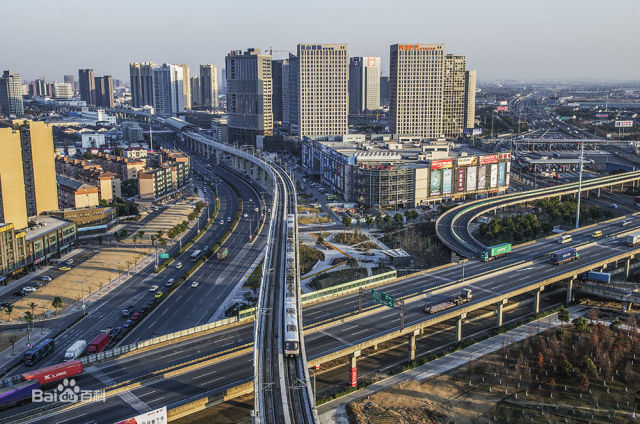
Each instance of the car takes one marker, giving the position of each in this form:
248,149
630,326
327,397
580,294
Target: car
28,289
20,293
135,316
153,288
205,248
246,215
170,282
221,222
64,268
69,261
626,222
637,205
125,313
127,324
115,333
194,284
179,265
256,210
158,295
269,210
228,219
46,278
38,284
614,206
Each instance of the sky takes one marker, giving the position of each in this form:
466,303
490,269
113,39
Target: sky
569,40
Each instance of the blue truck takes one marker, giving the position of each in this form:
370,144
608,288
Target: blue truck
563,256
598,277
18,393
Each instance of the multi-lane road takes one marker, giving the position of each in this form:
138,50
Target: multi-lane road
230,372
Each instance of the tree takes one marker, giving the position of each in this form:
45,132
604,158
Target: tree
56,303
33,307
346,221
590,367
378,221
592,314
398,219
567,368
141,235
615,324
88,155
8,310
100,240
386,219
368,220
581,324
116,237
563,315
28,317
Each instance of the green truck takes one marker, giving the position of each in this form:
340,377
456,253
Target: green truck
492,252
222,254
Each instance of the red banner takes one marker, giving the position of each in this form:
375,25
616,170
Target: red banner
461,179
441,164
354,376
488,159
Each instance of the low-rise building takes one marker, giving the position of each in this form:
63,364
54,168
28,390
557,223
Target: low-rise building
388,171
125,169
167,175
135,152
92,140
76,194
108,183
91,220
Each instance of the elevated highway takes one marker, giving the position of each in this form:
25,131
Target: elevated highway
452,227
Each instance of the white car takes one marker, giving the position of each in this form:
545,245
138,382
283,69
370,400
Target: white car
194,284
170,282
29,289
153,288
256,210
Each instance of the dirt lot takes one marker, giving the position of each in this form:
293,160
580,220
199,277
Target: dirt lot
550,378
166,220
86,278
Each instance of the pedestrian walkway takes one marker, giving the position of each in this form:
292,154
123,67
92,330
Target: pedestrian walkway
22,345
334,412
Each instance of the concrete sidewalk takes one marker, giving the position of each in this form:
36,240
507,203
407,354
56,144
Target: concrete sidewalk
334,412
22,345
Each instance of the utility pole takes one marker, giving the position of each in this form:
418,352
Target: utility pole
579,185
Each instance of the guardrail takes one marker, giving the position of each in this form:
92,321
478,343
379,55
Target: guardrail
348,286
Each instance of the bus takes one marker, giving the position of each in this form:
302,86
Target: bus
565,239
39,351
196,255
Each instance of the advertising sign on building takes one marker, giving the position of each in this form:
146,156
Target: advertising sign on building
602,115
467,161
477,131
446,181
460,180
471,178
482,178
436,180
157,416
493,182
624,124
484,160
502,108
501,173
442,164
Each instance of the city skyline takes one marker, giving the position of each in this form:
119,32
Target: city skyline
498,43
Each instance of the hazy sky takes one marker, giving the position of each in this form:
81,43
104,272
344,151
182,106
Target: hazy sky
516,39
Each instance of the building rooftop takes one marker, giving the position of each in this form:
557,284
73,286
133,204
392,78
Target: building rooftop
43,224
71,183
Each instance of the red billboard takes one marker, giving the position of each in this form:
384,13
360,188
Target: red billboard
502,108
354,376
460,180
488,159
442,164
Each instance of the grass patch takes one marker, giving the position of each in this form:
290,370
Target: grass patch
309,256
334,278
310,220
350,238
421,242
254,279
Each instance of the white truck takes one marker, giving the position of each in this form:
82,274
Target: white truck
75,350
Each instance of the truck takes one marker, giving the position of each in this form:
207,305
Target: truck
633,239
563,256
75,350
98,343
34,380
222,254
598,277
492,252
456,300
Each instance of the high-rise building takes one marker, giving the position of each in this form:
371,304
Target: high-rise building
69,79
50,86
62,90
453,95
27,175
186,85
384,90
104,91
87,86
209,86
415,89
40,87
249,91
470,99
195,91
11,94
168,91
285,94
291,119
364,84
276,97
141,79
323,103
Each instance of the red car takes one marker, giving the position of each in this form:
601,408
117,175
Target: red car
135,316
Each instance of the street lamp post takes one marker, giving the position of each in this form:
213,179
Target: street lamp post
579,185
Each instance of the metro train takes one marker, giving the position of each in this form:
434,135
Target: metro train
291,335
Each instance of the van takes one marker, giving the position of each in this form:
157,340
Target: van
626,222
596,234
565,239
75,350
179,265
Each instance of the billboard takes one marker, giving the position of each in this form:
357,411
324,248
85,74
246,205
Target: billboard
482,178
442,164
503,103
501,173
502,108
460,180
436,182
493,181
477,131
602,115
624,124
467,161
446,180
472,172
157,416
488,159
